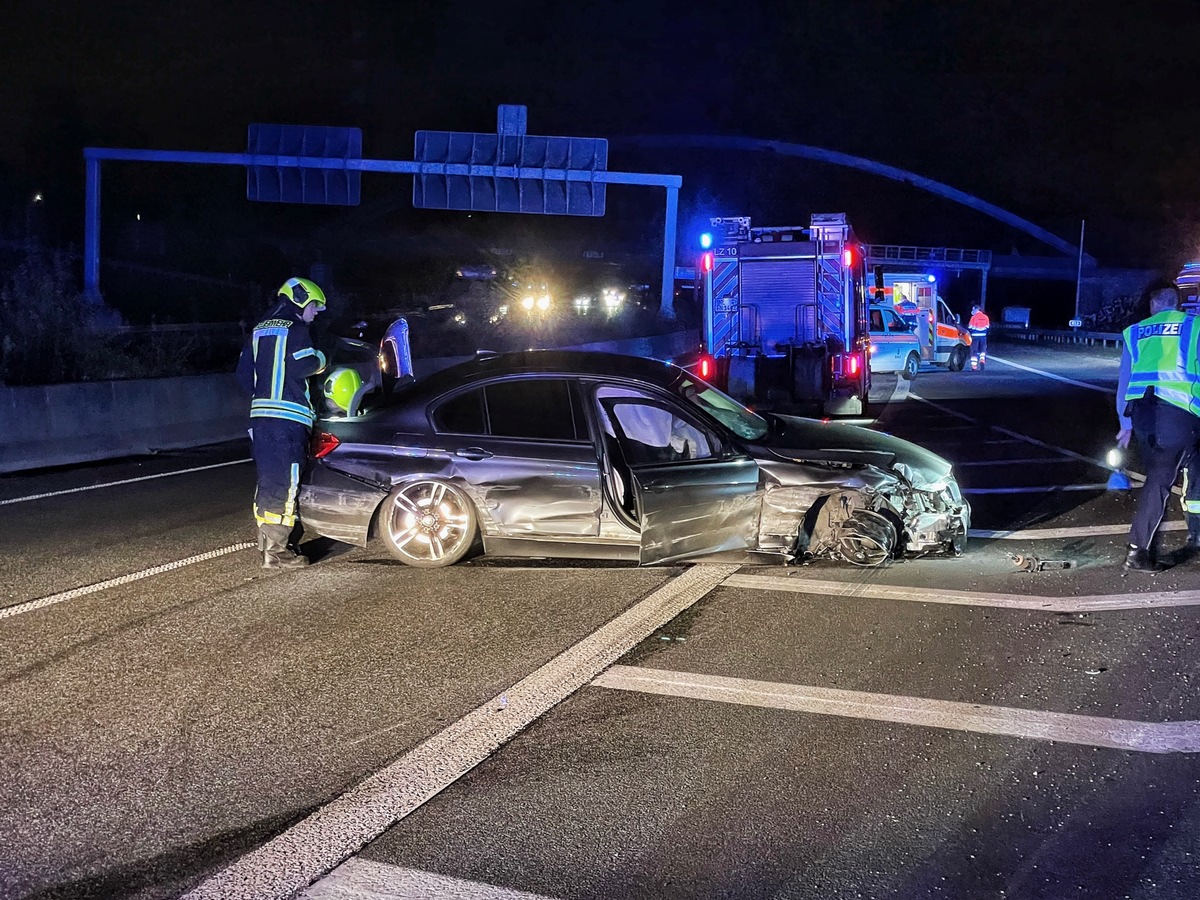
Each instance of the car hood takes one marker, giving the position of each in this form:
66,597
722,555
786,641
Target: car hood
820,441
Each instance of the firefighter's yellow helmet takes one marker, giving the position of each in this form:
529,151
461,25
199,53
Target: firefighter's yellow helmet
302,292
341,385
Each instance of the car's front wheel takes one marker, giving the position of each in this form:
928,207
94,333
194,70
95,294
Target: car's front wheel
958,359
427,523
911,366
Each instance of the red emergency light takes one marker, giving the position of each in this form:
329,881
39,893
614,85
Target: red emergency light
706,262
848,257
706,367
853,363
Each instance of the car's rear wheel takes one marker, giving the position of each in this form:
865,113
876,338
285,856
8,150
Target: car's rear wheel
958,359
428,523
911,366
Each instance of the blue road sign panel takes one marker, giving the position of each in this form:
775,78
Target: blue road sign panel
290,182
516,173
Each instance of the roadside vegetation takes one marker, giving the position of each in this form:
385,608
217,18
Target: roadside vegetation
50,333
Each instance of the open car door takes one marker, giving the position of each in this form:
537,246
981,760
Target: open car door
694,494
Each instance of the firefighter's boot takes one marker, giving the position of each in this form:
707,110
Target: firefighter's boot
1192,548
276,553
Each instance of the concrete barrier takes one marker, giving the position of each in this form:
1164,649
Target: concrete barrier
65,424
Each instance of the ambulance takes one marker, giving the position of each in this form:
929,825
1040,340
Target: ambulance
944,340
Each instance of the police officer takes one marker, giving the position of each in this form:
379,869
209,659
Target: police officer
978,326
274,369
1158,402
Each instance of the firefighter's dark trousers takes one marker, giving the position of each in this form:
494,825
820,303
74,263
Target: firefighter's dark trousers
280,448
1166,437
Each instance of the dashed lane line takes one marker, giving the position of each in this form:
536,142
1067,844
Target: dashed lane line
94,487
1039,488
318,843
1045,374
875,591
1069,728
1133,476
42,602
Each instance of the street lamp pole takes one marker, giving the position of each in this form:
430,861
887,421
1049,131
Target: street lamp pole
1079,270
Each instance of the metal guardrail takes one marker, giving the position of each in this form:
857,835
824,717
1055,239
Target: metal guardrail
1057,336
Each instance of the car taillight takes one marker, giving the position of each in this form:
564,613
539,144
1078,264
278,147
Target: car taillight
323,443
853,364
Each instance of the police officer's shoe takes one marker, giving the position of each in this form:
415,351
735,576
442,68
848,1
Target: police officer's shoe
1141,560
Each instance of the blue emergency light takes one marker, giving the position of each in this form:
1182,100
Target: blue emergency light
705,240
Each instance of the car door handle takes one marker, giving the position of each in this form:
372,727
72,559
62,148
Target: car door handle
474,453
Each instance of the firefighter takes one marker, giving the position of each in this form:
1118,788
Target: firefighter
978,326
274,369
1158,402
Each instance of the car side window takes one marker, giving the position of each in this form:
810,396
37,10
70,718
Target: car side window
535,408
877,320
650,433
896,324
462,414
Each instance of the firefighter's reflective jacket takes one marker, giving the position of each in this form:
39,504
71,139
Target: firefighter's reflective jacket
275,366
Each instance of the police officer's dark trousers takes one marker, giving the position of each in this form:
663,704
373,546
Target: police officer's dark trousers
280,450
1166,437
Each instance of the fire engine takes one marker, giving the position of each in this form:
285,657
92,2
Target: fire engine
785,313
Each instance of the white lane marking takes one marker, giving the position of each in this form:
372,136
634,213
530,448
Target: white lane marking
367,879
1036,460
318,843
1045,374
1091,603
1047,534
1069,728
93,487
1039,488
1133,476
42,602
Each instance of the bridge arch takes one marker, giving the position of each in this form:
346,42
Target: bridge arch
837,158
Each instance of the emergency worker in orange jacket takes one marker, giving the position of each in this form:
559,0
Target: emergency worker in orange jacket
978,326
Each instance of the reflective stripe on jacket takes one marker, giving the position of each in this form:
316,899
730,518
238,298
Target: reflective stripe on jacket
275,368
1164,355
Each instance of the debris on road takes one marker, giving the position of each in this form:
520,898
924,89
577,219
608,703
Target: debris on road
1030,563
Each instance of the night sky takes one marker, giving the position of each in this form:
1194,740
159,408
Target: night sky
1056,111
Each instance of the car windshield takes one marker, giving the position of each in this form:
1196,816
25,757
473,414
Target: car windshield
725,409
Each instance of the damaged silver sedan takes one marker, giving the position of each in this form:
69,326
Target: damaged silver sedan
581,455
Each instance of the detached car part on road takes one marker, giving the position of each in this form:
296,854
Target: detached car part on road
590,455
